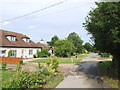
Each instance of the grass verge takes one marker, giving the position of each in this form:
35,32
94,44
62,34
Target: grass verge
103,58
7,74
64,60
54,82
108,73
61,61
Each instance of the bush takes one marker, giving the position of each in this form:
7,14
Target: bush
25,79
104,54
35,56
53,65
4,64
9,53
18,67
43,53
21,61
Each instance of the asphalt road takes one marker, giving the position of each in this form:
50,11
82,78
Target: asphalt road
85,75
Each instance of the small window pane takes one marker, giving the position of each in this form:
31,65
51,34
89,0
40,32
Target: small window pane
30,52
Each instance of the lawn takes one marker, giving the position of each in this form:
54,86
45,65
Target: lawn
7,74
54,82
108,73
80,56
64,60
103,58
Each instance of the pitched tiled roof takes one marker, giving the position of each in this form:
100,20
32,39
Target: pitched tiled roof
4,42
45,46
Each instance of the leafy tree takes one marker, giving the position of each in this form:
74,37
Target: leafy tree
53,40
76,41
43,53
64,48
88,47
103,23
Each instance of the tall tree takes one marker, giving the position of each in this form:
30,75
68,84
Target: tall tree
63,48
53,40
76,41
103,23
88,47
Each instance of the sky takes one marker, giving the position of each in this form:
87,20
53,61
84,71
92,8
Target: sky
60,20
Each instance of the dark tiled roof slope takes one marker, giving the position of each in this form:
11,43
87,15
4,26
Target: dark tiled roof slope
4,42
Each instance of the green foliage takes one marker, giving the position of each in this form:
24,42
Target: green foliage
53,40
35,55
55,81
9,53
104,54
64,48
108,73
88,47
21,61
18,67
44,70
25,79
43,53
103,23
53,65
3,65
76,41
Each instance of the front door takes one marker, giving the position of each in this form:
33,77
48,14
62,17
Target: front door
24,53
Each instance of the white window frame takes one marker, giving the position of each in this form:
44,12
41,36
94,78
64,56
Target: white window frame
30,52
2,51
11,38
14,53
26,39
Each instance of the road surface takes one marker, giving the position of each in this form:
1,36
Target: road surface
84,75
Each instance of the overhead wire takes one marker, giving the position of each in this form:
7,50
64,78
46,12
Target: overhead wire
35,11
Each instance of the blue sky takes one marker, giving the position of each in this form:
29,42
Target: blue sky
58,20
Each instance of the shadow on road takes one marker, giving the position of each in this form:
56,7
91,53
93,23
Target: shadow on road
90,70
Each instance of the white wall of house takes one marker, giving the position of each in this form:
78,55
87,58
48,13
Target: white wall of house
20,52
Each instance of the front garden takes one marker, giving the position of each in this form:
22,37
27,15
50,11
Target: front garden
44,77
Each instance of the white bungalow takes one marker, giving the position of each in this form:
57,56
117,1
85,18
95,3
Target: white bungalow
19,44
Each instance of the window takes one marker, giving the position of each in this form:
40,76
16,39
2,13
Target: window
30,52
37,50
14,53
11,38
26,39
2,51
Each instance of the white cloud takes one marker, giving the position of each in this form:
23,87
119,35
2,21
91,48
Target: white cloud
31,27
6,23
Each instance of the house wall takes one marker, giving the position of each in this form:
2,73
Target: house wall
21,52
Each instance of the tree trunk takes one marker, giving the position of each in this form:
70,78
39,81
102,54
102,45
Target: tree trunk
116,65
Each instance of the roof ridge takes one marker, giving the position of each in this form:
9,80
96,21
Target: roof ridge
13,32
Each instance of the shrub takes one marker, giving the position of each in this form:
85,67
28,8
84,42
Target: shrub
25,79
21,61
9,53
44,70
35,56
43,53
4,64
53,65
104,54
18,67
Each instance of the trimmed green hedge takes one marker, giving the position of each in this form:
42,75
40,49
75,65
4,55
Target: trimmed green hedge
104,54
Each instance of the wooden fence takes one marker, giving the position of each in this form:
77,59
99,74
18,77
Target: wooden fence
10,59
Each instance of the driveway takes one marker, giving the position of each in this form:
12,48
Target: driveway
84,75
